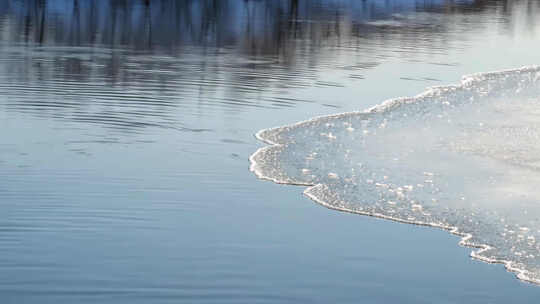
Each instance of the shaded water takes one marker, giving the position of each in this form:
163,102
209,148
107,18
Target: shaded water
126,127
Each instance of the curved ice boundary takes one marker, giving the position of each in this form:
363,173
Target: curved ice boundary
464,158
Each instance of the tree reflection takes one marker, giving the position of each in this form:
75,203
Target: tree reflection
227,51
257,26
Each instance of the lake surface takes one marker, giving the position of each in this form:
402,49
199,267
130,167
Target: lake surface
126,129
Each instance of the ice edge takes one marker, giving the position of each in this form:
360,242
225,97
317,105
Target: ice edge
466,80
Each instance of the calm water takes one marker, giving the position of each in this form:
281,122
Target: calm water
126,128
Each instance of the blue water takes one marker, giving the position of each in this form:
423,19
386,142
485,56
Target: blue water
125,144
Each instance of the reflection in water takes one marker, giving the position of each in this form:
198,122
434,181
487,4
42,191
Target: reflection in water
253,27
126,126
125,63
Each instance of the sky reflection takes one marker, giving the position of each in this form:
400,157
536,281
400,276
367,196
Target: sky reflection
125,64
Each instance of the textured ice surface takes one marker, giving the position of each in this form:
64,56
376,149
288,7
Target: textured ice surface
464,158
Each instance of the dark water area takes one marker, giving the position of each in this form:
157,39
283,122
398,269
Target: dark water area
126,128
